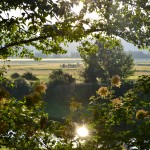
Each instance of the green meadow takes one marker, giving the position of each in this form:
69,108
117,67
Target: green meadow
43,68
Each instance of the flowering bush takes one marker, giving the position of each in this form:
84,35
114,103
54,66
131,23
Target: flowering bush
121,120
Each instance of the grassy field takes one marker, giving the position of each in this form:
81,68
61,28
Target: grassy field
44,68
41,69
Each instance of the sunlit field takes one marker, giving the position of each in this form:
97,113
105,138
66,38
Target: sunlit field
43,68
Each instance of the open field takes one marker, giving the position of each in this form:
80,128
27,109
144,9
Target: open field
142,68
43,68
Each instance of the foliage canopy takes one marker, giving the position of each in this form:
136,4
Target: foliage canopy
45,24
106,63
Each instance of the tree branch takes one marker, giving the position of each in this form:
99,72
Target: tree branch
93,30
23,42
38,38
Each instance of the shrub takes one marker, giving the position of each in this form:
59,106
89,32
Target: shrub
21,88
125,120
58,77
29,76
15,75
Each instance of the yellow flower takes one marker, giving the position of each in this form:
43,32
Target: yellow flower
116,103
75,105
141,114
103,91
41,88
115,81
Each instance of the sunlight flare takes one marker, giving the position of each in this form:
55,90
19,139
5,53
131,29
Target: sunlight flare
82,131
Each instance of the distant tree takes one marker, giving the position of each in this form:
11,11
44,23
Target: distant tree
107,62
20,89
56,55
58,77
29,76
139,55
75,55
15,75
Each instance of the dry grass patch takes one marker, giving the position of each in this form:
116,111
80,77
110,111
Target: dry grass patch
142,68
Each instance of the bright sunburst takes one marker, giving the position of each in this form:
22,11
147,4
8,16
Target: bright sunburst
82,131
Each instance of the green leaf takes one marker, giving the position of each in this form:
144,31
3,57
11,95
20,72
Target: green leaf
14,28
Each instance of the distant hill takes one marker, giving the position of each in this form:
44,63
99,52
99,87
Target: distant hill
139,54
130,47
134,51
